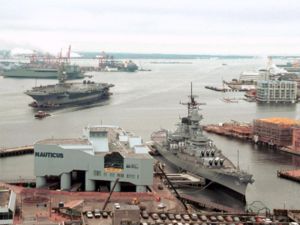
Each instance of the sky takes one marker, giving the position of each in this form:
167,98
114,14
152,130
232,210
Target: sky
246,27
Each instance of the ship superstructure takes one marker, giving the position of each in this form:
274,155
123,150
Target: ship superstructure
188,149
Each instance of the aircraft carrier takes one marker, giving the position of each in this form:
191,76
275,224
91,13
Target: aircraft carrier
64,93
189,150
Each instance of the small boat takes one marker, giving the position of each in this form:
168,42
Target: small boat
41,114
229,100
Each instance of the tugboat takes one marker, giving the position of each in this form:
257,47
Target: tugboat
64,93
41,114
188,149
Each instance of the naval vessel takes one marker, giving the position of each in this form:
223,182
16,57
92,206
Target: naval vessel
188,149
41,70
65,93
108,63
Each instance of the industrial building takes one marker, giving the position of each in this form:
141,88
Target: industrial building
7,206
95,161
275,131
274,91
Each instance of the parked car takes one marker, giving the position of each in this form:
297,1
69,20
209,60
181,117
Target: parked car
220,218
145,215
194,216
177,217
186,217
154,216
267,220
104,214
229,218
117,205
236,219
213,218
171,216
89,214
163,216
161,205
203,218
97,213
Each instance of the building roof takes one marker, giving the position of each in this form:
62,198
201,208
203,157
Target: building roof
280,120
4,197
275,82
113,135
73,141
7,200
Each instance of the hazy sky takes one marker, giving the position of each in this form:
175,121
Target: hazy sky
257,27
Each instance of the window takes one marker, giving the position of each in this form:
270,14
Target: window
97,173
133,166
131,176
114,160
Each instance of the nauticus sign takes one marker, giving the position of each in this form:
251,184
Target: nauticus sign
49,154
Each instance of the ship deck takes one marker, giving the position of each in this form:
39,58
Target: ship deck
70,87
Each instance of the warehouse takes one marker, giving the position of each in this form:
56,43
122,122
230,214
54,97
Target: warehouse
275,131
95,161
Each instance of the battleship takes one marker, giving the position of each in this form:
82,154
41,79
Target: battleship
188,149
64,93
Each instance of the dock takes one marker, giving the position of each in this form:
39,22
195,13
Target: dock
206,203
231,129
293,175
22,150
294,215
220,89
282,134
288,149
181,179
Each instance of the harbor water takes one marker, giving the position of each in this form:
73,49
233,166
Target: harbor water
143,102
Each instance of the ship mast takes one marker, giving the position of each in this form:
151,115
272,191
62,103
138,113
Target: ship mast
62,75
192,104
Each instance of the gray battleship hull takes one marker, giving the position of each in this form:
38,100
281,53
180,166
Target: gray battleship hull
226,180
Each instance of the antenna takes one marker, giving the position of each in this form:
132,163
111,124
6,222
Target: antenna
192,104
69,55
